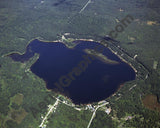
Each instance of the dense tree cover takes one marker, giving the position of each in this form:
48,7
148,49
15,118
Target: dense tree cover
148,119
102,120
66,116
21,21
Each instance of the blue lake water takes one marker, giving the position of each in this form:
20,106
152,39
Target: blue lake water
96,80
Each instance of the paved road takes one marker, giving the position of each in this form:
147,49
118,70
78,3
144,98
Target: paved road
93,115
89,1
50,110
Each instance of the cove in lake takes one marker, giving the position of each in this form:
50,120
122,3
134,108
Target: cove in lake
97,82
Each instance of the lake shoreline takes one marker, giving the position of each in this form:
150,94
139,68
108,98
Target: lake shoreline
88,40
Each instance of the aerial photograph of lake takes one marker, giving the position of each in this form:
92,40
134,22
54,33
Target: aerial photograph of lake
99,80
